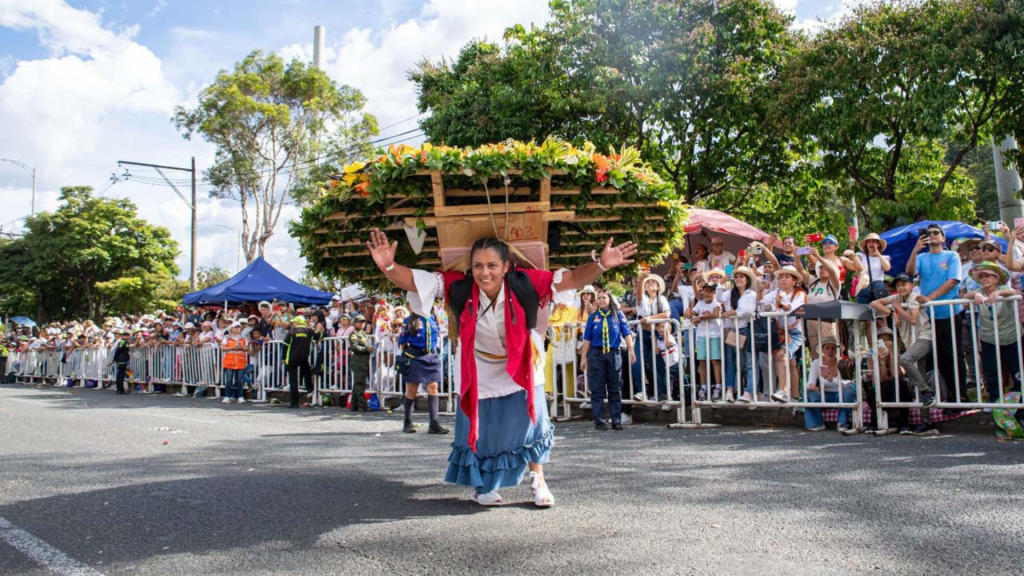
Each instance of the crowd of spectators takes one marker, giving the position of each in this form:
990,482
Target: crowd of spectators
721,300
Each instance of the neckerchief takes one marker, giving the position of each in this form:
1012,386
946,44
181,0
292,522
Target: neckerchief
605,342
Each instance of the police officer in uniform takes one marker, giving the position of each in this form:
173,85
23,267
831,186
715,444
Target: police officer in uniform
297,345
122,353
360,349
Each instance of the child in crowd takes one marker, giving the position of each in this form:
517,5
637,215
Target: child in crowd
709,339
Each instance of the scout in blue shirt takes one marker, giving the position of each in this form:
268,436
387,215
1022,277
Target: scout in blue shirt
600,358
419,348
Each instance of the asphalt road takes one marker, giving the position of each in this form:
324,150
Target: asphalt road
160,485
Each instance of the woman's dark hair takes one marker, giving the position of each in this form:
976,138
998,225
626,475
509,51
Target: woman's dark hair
612,304
735,293
499,247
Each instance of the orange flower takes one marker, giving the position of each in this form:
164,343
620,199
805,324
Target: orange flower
362,188
423,156
601,164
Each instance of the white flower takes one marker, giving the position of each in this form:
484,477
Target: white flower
572,160
468,171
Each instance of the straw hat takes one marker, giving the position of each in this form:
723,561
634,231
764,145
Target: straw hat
656,278
589,288
790,270
989,268
752,279
402,309
963,243
872,236
714,272
833,341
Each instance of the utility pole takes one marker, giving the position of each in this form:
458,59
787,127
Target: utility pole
31,170
1007,183
318,47
191,205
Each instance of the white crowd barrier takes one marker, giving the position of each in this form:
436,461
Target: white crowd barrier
386,382
660,368
978,382
666,375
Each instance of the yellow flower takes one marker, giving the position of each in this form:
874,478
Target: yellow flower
352,173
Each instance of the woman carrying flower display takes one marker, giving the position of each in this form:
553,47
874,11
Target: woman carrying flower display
502,425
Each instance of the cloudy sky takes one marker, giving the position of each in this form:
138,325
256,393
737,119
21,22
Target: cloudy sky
86,83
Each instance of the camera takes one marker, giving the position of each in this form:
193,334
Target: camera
754,251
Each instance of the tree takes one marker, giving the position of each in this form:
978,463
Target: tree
272,125
92,255
687,82
881,90
207,276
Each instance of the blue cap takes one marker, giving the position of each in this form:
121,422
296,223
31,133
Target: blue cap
830,238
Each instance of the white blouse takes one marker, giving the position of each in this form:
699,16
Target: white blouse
493,380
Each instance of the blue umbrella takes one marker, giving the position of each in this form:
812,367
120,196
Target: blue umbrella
901,240
23,321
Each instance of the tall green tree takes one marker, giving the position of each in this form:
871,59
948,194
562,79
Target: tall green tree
89,257
275,126
881,90
687,82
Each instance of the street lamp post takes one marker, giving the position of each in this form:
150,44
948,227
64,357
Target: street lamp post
31,170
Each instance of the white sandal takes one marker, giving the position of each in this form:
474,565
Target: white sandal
491,498
542,497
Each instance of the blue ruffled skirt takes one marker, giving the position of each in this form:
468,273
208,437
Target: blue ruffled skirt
507,442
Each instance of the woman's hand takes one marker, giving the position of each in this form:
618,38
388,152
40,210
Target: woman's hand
993,297
978,298
632,357
611,256
383,253
813,387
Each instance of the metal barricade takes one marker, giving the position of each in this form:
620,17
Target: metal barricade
661,369
385,381
269,374
769,376
331,373
995,367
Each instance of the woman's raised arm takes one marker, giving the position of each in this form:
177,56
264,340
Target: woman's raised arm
611,257
383,255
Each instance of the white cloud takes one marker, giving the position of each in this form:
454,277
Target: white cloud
101,96
59,106
787,6
378,61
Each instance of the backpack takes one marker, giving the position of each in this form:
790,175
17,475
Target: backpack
461,291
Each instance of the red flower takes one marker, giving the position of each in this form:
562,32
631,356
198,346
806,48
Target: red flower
601,177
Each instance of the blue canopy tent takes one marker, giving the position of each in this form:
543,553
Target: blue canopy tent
257,281
901,240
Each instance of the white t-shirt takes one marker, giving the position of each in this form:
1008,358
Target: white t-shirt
877,274
687,296
830,384
708,328
646,307
794,299
721,260
745,309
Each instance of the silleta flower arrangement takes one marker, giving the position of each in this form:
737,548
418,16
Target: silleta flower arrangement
587,195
